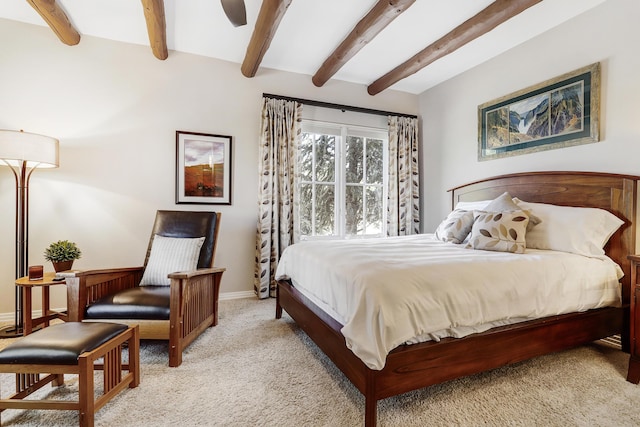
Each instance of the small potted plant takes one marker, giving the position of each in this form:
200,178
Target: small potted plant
62,254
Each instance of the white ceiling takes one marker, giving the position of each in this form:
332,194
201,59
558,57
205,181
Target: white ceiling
312,29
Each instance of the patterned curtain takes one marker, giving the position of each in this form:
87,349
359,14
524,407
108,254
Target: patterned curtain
403,208
279,134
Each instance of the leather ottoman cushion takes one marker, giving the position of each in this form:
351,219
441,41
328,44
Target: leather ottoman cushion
59,344
143,302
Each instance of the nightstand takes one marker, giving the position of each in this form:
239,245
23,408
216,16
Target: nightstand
634,323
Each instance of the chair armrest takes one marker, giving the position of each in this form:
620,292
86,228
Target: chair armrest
99,272
195,273
85,287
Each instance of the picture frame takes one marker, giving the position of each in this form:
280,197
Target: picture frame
203,168
558,113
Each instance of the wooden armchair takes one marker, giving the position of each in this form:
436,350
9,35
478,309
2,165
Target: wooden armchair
178,312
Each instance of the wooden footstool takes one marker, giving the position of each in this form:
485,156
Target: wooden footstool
72,348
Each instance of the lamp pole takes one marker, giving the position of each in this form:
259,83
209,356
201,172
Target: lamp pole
22,174
23,153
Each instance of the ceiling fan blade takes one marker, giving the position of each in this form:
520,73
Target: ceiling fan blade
235,11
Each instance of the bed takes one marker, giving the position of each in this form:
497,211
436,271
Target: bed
410,367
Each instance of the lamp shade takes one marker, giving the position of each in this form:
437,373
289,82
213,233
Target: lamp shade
34,149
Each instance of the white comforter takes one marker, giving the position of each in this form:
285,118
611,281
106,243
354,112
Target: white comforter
391,291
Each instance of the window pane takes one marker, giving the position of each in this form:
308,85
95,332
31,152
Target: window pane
374,161
305,162
374,209
306,199
325,206
353,159
325,158
353,210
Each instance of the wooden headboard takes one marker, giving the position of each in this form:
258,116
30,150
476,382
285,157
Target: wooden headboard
613,192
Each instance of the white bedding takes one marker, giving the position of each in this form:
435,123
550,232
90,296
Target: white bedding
386,292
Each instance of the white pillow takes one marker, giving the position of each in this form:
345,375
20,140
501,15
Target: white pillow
499,231
472,206
582,231
455,227
169,255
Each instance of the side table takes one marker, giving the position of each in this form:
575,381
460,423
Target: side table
47,314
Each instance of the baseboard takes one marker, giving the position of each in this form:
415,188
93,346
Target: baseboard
236,295
9,317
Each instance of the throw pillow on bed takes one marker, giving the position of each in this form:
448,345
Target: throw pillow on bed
499,231
455,227
505,202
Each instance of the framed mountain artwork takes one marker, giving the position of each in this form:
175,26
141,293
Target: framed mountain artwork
558,113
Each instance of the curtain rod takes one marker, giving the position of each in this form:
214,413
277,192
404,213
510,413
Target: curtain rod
339,106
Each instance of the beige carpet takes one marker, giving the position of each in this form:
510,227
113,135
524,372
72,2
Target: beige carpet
253,370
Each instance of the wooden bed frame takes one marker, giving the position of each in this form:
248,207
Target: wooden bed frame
410,367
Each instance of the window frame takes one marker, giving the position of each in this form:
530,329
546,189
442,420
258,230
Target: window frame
341,131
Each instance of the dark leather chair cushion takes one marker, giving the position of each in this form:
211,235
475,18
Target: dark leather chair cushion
142,302
60,344
190,225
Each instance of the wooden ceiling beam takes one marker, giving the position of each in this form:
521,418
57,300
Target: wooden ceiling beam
271,13
57,20
380,15
156,27
493,15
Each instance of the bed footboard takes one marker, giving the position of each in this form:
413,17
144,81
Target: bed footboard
411,367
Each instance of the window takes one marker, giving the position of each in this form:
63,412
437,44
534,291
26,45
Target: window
342,181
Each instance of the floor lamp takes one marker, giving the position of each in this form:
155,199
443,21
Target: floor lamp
23,152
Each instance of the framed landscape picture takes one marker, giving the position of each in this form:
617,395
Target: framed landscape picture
558,113
203,168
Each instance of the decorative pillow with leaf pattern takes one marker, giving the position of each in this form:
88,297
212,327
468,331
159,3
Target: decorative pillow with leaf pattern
455,227
504,202
499,231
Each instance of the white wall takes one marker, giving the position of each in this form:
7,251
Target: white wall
608,33
115,109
